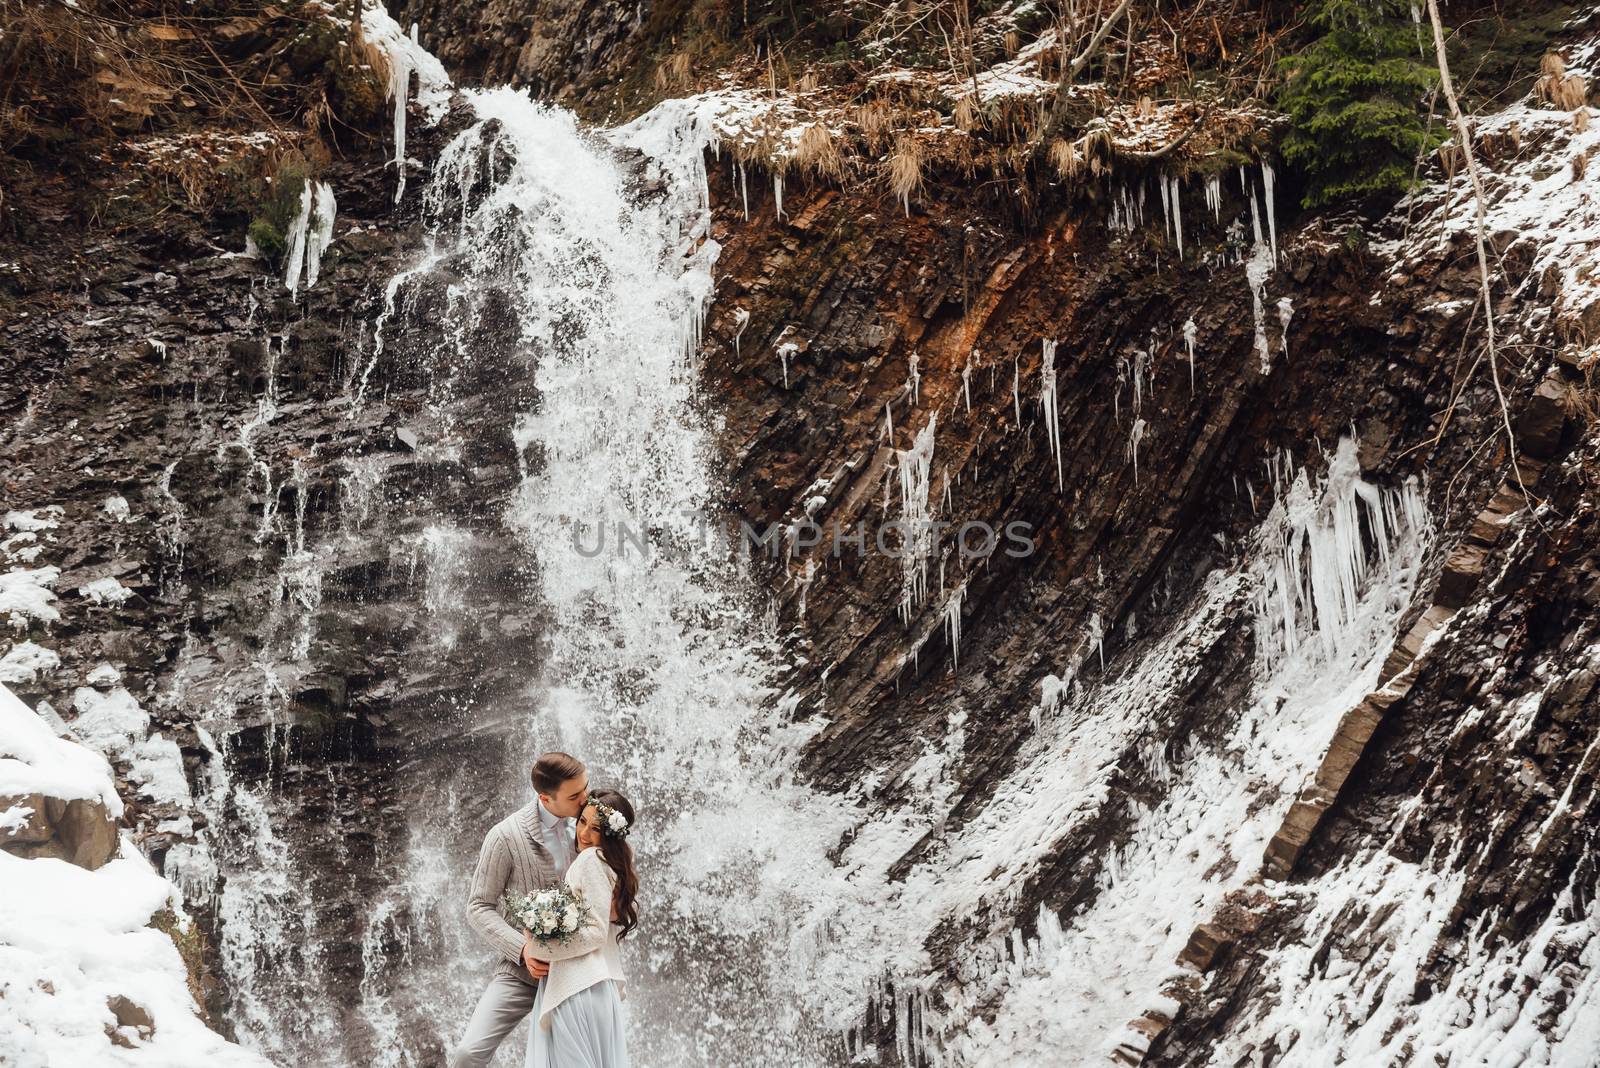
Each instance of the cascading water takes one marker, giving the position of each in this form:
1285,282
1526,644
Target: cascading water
651,664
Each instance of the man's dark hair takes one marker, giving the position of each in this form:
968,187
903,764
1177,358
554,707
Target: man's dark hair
553,769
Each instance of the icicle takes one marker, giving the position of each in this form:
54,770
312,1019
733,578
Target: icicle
399,89
913,379
741,316
1256,271
321,235
785,351
915,467
806,578
1255,219
888,419
777,192
1317,553
1285,313
744,191
952,622
1190,333
1141,368
1133,446
1016,389
1047,400
966,380
294,262
309,235
945,501
1177,215
1268,178
1166,204
1097,638
1214,197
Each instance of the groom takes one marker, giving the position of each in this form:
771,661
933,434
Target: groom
527,851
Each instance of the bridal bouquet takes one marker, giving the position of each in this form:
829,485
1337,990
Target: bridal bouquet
551,915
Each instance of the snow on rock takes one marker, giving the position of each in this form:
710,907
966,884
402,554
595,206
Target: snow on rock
115,724
1538,202
34,521
83,979
117,507
106,591
1369,931
34,761
25,661
23,548
75,949
103,677
26,597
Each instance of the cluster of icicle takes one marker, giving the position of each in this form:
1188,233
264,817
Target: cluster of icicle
915,466
1317,550
309,235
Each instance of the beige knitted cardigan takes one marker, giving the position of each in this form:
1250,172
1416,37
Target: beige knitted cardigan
591,956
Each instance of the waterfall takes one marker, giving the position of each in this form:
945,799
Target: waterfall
649,660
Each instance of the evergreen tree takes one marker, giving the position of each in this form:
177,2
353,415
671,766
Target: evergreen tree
1354,95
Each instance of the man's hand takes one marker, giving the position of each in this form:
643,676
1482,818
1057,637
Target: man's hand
537,968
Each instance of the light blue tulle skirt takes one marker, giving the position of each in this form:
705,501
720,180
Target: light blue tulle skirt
588,1030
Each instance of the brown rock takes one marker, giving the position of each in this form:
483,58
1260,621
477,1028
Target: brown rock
1543,420
79,831
36,829
128,1014
1204,944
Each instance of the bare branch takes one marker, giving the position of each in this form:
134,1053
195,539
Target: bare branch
1464,135
1058,106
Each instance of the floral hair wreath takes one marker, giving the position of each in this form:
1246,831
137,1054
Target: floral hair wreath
613,824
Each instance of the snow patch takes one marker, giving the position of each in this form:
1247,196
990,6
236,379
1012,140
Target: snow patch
106,591
26,597
34,761
25,661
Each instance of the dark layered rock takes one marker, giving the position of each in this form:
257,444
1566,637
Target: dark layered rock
572,52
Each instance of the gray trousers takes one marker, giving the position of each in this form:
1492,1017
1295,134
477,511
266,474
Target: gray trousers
504,1004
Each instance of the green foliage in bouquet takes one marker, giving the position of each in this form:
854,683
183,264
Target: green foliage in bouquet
1354,95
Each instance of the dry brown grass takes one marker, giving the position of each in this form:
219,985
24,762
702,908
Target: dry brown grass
1556,87
1065,158
905,170
818,152
968,116
876,120
675,73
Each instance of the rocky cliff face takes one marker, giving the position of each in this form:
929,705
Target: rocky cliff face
1056,759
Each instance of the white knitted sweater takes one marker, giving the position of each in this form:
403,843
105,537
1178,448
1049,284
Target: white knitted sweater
591,956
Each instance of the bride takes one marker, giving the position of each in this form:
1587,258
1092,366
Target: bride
581,1021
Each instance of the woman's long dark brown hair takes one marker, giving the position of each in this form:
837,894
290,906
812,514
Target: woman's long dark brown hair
619,855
